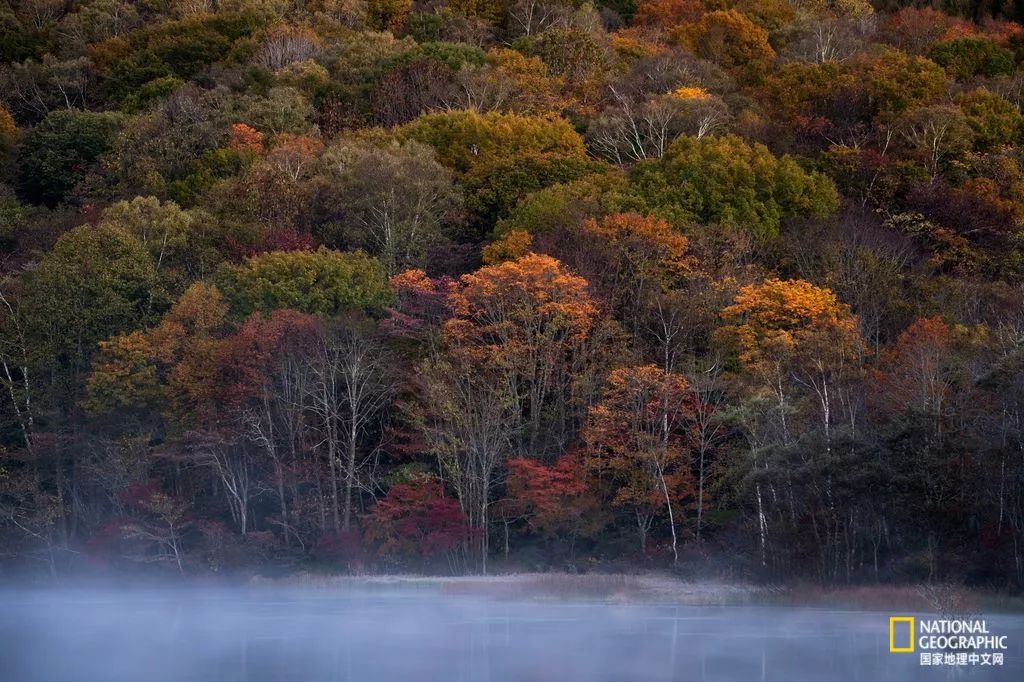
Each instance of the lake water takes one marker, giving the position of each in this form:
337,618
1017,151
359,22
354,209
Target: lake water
385,635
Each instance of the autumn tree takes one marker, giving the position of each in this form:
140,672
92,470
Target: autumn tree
506,379
633,258
578,53
217,389
666,14
417,519
916,29
421,304
162,367
272,193
268,356
729,38
526,323
918,372
897,81
553,498
791,330
182,370
464,139
509,82
637,439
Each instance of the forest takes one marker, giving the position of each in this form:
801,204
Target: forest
729,288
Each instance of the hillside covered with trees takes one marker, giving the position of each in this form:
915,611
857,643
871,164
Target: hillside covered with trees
734,287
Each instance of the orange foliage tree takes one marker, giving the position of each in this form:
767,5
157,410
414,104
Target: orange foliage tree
635,256
505,378
526,322
246,138
668,13
791,329
730,39
637,441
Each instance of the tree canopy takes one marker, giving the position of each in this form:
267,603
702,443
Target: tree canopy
723,287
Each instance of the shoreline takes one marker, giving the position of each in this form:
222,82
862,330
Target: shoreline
662,588
648,588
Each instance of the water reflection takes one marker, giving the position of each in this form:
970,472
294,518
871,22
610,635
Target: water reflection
263,635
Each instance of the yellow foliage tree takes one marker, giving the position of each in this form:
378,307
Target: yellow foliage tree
792,330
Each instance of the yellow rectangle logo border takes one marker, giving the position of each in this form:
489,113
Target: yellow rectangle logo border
893,649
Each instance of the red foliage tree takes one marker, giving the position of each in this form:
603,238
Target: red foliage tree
553,498
547,492
916,372
417,519
422,303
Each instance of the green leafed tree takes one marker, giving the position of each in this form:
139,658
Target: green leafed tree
321,282
730,181
966,57
95,283
60,149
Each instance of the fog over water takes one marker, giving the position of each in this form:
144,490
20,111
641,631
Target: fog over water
269,634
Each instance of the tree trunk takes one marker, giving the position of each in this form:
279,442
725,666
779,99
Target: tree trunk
671,519
350,474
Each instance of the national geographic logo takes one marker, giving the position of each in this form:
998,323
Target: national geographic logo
901,629
952,642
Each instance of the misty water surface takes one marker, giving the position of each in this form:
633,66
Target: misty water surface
387,635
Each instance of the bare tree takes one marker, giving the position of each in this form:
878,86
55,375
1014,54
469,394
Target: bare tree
831,38
14,364
347,392
34,89
633,130
529,17
469,422
938,132
709,428
276,424
36,515
161,527
232,464
394,202
284,45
